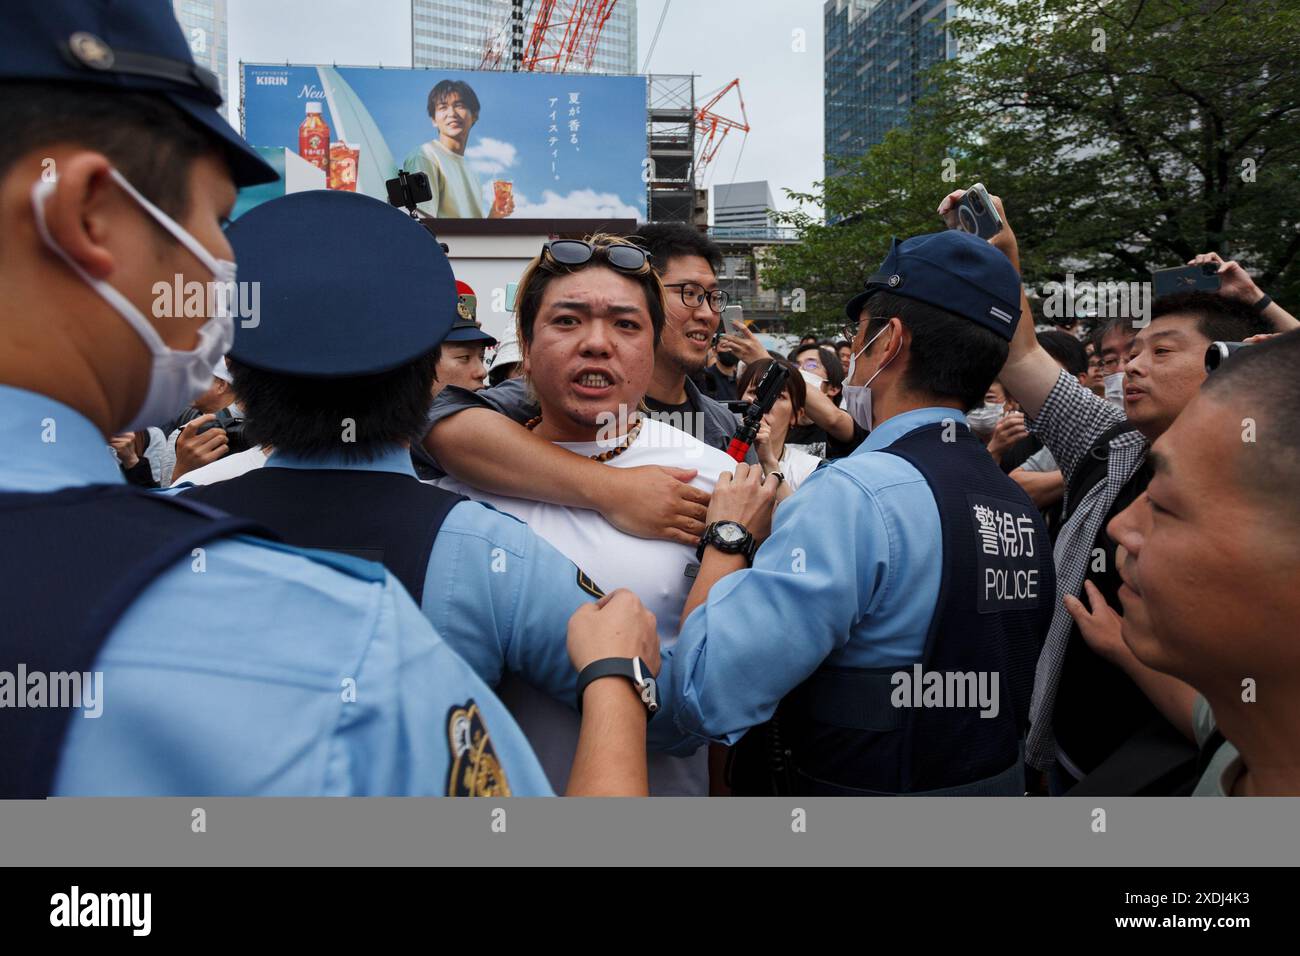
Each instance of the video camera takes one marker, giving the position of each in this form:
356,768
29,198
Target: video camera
766,393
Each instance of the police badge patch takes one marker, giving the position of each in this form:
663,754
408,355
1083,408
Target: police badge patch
475,770
590,586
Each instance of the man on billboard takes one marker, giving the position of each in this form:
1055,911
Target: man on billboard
454,109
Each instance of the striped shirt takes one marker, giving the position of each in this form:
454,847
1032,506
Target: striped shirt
1070,422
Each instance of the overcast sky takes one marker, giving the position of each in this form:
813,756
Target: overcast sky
718,40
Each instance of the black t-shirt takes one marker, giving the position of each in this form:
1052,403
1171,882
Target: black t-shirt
1098,706
805,435
717,385
662,408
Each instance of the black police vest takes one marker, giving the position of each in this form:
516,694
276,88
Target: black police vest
72,562
863,732
376,515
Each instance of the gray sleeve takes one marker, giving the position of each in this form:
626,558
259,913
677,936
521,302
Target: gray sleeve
510,398
1040,460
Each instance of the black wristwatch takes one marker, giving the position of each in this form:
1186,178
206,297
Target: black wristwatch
1262,304
634,669
729,537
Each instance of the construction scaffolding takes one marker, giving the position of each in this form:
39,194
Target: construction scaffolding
670,132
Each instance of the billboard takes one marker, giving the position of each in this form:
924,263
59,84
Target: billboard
494,145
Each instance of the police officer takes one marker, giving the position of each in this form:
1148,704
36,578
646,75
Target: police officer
335,374
218,663
897,608
459,363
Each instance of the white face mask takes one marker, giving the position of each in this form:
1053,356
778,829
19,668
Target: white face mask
983,420
857,398
1115,388
176,377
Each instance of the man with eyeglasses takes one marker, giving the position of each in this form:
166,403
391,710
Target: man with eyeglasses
650,501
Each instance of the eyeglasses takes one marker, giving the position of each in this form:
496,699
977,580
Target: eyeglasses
622,256
812,365
693,295
850,332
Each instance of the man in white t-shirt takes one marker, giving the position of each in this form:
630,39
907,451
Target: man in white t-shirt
453,109
590,315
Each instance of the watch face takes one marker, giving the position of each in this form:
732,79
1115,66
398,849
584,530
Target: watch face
730,532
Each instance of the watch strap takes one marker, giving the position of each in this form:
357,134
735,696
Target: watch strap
710,537
625,667
1263,303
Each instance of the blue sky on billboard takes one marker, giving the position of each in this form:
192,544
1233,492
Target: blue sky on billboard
571,145
774,46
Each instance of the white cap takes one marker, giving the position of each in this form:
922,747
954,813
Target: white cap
313,107
507,352
221,372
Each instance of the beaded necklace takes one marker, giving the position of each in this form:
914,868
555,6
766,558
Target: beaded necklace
612,453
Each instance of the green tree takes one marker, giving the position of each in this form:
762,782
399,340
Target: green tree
1122,135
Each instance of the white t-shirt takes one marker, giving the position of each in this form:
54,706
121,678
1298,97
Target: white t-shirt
797,465
232,466
655,571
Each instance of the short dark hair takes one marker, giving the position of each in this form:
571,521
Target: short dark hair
543,269
443,90
830,360
305,416
794,383
150,141
1068,351
950,357
1096,335
1219,318
1265,376
664,240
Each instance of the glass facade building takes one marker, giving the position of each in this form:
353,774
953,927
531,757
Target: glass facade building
204,24
455,33
876,52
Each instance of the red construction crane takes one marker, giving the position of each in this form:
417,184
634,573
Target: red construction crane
565,33
713,127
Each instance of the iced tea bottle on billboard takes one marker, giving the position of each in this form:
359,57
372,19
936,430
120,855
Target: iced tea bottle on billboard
343,166
314,138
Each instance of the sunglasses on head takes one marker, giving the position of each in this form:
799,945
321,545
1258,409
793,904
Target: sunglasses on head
623,256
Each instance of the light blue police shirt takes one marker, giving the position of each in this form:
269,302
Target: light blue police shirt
496,592
268,673
849,577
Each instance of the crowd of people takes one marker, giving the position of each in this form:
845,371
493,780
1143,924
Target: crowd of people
337,550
